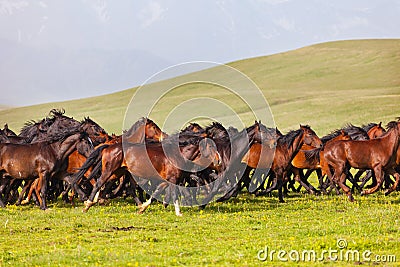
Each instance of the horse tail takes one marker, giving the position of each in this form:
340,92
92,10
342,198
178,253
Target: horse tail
96,170
93,159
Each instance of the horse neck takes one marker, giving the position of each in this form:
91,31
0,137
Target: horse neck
296,145
137,137
64,148
392,138
240,146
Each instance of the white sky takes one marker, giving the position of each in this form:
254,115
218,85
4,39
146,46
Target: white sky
66,49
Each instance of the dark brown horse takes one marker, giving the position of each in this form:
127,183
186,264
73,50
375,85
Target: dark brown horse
7,131
42,159
259,157
164,163
96,136
108,160
287,147
377,154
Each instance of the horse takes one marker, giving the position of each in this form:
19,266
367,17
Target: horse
232,147
259,157
7,131
373,130
354,133
378,154
37,131
41,159
287,147
109,159
164,163
96,136
309,158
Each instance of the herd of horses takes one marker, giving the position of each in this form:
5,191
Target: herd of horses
60,156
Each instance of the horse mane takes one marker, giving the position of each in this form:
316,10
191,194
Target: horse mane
136,126
391,125
59,135
288,138
355,133
190,127
56,112
369,126
215,130
313,154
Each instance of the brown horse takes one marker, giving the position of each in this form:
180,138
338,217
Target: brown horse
42,159
164,163
377,154
109,159
287,147
96,135
310,158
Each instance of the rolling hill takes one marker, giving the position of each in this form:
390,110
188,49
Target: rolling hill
324,85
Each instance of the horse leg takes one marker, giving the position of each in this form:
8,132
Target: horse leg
270,188
42,183
96,189
160,188
176,201
280,184
320,179
24,189
396,183
373,178
32,188
341,183
379,179
368,176
296,173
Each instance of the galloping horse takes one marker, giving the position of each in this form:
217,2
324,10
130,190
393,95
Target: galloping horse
42,159
232,148
164,163
109,159
310,158
96,135
377,154
287,147
259,157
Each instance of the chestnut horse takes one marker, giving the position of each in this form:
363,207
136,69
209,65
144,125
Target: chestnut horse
164,163
287,147
377,154
310,158
108,160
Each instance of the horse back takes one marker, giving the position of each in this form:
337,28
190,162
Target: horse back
26,160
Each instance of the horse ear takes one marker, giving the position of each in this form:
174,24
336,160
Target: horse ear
380,124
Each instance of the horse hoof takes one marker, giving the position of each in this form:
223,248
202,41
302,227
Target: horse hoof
387,192
24,202
281,201
179,214
351,198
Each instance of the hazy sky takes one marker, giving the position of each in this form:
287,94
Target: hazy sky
66,49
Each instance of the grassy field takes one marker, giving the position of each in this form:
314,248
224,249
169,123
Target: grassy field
325,85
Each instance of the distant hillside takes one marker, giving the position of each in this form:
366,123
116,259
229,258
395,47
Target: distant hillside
324,85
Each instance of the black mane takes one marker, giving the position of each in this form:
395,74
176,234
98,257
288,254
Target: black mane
288,138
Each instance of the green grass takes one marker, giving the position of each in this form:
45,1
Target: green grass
325,85
224,234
